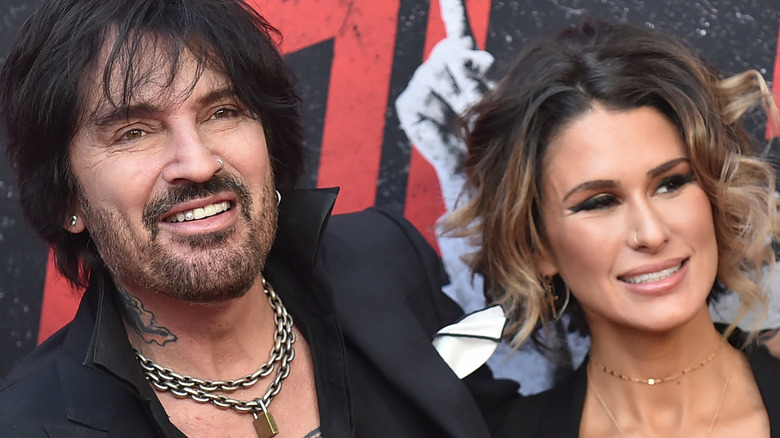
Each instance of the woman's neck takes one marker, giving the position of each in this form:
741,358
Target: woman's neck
694,374
645,354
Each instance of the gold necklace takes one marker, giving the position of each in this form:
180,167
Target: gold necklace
614,421
652,381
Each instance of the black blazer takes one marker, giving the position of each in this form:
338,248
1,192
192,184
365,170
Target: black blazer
390,322
556,413
365,293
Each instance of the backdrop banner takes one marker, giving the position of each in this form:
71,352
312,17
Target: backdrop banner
381,83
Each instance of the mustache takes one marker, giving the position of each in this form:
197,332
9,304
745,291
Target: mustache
157,207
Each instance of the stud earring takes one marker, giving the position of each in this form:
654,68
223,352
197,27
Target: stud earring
278,198
73,220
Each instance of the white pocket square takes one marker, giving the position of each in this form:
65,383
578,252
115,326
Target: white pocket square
469,343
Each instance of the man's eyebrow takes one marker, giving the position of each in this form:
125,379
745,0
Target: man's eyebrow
608,183
216,95
122,113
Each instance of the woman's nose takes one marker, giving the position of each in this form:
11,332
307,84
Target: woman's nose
648,229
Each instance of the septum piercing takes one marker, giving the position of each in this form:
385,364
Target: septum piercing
221,164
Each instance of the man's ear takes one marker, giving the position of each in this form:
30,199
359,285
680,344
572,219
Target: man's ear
74,223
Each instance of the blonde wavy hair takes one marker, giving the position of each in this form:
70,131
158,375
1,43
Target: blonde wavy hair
620,67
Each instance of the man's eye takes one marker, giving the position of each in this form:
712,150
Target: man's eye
674,183
132,134
598,202
224,113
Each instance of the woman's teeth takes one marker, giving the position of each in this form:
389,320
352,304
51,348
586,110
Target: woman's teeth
200,212
653,276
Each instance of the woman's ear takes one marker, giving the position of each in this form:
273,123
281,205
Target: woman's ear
74,223
545,264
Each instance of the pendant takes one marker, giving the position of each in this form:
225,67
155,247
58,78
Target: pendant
264,423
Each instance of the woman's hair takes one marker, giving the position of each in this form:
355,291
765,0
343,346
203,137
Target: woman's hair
44,91
618,67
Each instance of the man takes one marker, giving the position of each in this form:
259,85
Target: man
156,144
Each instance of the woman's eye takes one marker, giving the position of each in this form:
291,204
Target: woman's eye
673,183
598,202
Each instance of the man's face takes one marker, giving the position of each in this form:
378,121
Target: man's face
161,212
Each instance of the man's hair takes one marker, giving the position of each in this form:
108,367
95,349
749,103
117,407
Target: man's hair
618,67
44,90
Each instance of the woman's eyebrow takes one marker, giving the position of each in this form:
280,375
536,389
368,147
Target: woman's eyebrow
611,184
665,167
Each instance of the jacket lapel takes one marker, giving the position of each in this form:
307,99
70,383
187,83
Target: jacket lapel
408,360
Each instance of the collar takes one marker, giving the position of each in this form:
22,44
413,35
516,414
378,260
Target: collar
98,328
303,216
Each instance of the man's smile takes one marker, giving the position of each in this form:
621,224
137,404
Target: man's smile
200,212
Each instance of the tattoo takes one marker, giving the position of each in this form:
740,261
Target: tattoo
316,433
143,321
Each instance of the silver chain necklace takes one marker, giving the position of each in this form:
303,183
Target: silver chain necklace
205,391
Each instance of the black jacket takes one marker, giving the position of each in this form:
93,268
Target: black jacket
556,413
365,293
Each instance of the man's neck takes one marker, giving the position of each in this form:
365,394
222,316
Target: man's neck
217,341
224,341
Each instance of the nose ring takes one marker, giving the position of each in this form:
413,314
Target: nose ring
221,164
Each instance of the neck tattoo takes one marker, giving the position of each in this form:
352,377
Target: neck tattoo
208,391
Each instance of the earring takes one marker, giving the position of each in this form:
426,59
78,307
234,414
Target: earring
553,298
73,220
565,301
278,198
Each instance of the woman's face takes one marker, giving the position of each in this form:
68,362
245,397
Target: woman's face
628,226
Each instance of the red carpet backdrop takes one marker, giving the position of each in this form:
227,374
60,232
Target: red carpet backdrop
354,60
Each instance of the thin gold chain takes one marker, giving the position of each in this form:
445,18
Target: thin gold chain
653,381
615,423
603,404
720,404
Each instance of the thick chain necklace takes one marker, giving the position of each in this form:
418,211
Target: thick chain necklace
653,381
207,391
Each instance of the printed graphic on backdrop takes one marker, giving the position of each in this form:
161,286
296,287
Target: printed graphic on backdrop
453,78
381,82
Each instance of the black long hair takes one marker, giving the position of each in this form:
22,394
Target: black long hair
43,91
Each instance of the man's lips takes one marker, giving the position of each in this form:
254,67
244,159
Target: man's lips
199,212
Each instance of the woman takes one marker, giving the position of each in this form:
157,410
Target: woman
609,164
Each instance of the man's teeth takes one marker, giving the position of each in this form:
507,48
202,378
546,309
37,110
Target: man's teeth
200,212
653,276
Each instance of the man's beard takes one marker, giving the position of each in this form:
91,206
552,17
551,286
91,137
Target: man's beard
220,268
